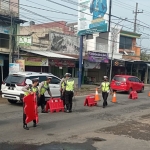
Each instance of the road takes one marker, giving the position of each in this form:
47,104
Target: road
124,125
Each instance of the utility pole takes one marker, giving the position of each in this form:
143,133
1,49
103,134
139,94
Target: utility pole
110,8
10,40
136,13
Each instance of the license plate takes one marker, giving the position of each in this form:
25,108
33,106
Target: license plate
117,83
11,88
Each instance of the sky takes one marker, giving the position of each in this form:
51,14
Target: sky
120,8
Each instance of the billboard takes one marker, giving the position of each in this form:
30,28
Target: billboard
92,16
13,68
98,57
63,43
21,63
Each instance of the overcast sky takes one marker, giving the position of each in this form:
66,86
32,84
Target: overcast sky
121,9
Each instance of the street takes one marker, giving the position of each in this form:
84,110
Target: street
124,125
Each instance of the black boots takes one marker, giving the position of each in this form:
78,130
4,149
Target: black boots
25,127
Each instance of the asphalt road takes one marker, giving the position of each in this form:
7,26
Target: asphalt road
124,125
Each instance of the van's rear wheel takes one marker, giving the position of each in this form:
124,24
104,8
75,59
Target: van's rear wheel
12,101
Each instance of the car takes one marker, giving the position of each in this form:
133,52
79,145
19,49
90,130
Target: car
126,83
12,86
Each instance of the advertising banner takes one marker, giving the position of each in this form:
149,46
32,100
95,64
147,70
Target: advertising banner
21,64
25,41
90,65
98,57
13,68
93,16
35,61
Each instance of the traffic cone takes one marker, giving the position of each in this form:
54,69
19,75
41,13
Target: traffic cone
97,98
114,99
149,94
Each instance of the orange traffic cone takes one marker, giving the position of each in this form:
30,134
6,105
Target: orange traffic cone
114,99
97,98
149,94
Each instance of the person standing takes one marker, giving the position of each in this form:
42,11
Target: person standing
30,89
44,86
105,87
62,88
69,89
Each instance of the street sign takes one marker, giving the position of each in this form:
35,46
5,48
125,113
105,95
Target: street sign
25,41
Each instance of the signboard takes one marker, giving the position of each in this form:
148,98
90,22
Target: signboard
5,30
21,64
35,61
98,57
1,62
120,63
93,16
61,63
25,41
90,65
13,68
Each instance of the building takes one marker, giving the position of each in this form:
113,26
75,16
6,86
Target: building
9,25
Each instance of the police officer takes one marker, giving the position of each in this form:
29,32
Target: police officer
30,89
69,88
44,86
62,88
105,87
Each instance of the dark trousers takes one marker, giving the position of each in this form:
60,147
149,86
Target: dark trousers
42,101
62,96
68,99
105,96
24,116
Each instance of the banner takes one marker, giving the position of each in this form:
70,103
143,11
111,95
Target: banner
21,64
13,68
93,16
35,61
89,65
61,63
98,57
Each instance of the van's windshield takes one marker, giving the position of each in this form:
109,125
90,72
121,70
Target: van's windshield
119,79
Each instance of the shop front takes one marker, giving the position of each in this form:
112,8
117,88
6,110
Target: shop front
95,67
59,67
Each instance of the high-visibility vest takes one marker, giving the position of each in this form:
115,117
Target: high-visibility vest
105,86
70,85
32,89
44,88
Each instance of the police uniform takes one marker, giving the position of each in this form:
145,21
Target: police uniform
44,86
62,88
105,86
27,89
69,88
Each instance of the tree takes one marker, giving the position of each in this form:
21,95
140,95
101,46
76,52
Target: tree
145,56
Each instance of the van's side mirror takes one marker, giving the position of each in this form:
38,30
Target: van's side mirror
28,81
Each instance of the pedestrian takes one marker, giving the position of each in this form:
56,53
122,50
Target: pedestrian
62,88
69,89
44,86
105,87
30,89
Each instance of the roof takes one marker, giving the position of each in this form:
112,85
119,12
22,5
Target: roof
48,54
130,34
8,19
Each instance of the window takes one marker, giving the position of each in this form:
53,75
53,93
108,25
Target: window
55,81
137,80
12,79
41,78
120,79
125,42
132,79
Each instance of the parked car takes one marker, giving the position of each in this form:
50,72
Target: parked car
12,86
126,83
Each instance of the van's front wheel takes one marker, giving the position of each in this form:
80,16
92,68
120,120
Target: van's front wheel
12,101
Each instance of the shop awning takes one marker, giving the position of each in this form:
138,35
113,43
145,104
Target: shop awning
48,54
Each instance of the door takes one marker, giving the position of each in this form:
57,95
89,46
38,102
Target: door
138,84
132,83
